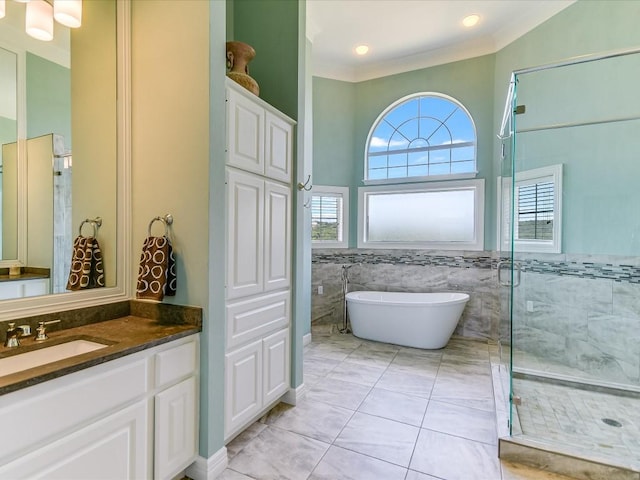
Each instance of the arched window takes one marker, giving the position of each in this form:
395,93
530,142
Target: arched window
421,135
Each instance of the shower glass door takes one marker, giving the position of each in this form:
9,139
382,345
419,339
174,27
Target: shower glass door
572,228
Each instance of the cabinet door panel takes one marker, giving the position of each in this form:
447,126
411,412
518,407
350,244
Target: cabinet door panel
276,369
115,447
246,233
278,148
277,256
176,429
245,134
243,386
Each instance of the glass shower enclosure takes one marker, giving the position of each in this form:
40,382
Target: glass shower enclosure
569,241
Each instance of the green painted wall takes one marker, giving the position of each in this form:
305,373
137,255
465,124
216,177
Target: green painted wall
333,132
48,98
341,126
271,27
8,128
601,170
345,112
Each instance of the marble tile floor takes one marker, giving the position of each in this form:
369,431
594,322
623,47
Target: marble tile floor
574,418
375,411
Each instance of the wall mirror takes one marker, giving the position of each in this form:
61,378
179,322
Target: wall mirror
65,142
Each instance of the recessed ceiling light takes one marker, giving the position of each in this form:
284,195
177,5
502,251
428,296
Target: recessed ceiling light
471,20
362,49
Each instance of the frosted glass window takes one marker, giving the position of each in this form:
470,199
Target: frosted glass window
427,129
444,215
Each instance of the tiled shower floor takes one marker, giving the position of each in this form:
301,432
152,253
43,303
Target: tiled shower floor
375,411
573,418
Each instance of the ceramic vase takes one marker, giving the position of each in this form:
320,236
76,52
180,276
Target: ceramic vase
239,54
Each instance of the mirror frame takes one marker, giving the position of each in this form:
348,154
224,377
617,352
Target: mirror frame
29,306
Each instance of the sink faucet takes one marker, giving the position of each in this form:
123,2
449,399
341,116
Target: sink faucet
41,331
13,335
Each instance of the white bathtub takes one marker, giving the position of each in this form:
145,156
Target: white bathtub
420,320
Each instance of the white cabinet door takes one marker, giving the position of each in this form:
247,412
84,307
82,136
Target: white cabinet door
278,148
276,366
245,133
245,262
176,429
23,288
277,235
243,386
115,447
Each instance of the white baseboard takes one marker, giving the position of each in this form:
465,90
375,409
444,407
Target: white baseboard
208,468
306,339
294,395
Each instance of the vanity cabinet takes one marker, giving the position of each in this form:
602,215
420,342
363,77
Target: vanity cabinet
258,277
130,418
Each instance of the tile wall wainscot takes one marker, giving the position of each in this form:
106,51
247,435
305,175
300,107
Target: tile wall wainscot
410,271
579,315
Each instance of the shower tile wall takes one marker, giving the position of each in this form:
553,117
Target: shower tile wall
409,271
579,316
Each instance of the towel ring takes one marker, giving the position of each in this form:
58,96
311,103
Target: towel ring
166,220
95,223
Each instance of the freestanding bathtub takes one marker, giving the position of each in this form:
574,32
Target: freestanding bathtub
420,320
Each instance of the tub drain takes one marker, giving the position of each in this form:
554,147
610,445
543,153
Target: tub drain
611,422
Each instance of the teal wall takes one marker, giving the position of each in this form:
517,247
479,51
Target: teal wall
601,170
48,98
345,112
8,129
271,27
480,84
333,132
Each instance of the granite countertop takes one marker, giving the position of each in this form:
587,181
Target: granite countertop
22,276
124,336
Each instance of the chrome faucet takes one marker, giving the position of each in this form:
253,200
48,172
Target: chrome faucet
41,331
13,335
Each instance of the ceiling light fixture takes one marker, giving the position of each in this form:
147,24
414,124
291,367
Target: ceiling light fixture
68,12
362,49
40,14
39,20
470,20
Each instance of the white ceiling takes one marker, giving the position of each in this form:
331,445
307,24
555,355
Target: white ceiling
405,35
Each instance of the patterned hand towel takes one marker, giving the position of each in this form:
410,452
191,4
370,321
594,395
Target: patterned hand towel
87,270
157,273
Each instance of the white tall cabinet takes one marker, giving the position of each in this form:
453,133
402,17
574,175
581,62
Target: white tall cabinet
258,277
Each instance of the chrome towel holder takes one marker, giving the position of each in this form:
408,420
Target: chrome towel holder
166,220
96,223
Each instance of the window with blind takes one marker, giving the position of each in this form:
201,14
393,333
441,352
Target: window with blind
329,217
537,214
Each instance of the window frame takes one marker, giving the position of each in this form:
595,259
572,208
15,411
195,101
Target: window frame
423,178
553,174
333,191
476,185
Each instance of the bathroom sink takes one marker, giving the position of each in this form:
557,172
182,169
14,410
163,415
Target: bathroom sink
42,356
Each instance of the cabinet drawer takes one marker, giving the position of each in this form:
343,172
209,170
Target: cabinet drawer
249,319
175,363
69,402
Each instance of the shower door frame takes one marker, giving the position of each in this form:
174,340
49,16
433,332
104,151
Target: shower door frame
508,282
